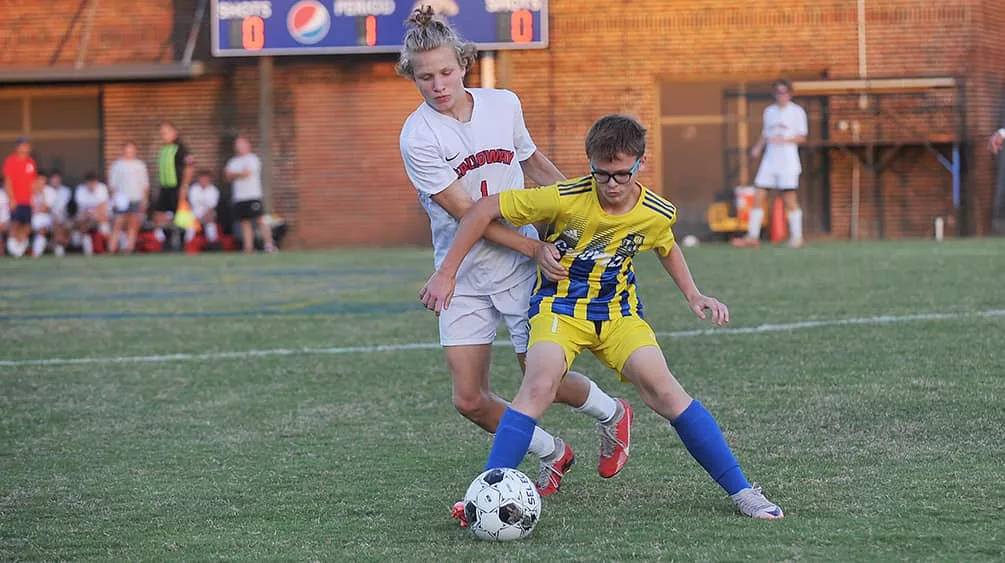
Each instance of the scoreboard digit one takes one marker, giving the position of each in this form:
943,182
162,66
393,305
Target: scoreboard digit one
248,28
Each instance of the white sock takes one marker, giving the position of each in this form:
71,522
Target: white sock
123,240
542,444
38,245
59,250
16,248
189,235
159,235
754,226
796,224
599,405
88,244
211,232
75,238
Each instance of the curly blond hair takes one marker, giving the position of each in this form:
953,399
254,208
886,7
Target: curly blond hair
427,32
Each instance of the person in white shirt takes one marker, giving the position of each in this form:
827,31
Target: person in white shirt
785,127
93,201
43,199
60,223
129,181
245,172
995,141
203,197
460,145
4,220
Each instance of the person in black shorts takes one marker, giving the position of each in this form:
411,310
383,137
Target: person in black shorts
244,170
175,169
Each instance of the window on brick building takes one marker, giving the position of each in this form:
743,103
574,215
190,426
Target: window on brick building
64,126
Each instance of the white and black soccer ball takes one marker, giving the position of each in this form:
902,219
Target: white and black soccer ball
502,505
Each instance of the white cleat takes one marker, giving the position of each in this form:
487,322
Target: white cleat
751,502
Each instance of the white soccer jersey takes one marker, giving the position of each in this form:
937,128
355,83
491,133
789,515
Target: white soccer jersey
790,121
202,199
248,188
63,197
88,200
47,200
4,208
485,154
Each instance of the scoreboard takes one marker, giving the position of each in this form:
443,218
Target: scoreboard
248,28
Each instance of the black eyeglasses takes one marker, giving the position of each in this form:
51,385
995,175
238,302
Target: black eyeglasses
602,176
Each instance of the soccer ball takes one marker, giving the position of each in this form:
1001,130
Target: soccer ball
690,241
502,505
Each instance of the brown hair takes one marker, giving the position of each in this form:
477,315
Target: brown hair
427,32
782,82
615,134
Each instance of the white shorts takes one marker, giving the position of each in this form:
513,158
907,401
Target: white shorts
768,177
473,319
41,221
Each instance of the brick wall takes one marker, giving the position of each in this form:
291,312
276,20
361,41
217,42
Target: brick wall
338,176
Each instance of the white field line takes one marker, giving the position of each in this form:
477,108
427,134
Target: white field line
728,331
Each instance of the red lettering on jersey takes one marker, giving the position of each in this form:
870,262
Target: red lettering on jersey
481,158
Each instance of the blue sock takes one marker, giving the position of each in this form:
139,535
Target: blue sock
512,440
704,440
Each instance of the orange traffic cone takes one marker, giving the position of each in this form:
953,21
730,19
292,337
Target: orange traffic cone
778,227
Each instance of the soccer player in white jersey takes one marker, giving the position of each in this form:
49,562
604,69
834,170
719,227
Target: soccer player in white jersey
43,200
785,127
458,146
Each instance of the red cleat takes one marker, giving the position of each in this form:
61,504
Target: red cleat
550,477
615,441
457,513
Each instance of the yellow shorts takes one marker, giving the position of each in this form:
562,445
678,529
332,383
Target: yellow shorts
612,342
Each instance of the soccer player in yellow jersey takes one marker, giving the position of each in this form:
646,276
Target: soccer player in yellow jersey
599,223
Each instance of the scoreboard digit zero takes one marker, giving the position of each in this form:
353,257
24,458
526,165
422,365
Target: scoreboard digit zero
249,28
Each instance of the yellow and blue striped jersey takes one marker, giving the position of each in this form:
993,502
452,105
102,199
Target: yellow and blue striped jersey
597,248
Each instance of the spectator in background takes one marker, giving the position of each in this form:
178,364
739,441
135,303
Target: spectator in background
244,170
19,171
130,183
93,212
785,127
43,200
995,142
175,169
4,220
60,212
203,197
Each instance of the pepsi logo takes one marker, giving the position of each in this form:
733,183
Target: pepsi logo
308,22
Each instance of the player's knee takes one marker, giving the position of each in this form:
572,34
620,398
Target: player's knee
472,405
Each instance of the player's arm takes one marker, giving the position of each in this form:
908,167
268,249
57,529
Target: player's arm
455,201
520,207
541,170
755,150
675,265
187,175
436,294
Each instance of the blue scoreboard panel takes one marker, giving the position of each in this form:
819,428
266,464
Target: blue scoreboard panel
248,28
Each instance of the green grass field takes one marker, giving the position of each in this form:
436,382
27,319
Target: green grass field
237,408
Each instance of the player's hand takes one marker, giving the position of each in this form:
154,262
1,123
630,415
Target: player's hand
755,151
436,294
547,257
995,143
717,309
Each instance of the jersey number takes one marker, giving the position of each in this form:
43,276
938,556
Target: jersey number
485,189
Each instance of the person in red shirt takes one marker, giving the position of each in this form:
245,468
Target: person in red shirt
19,171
